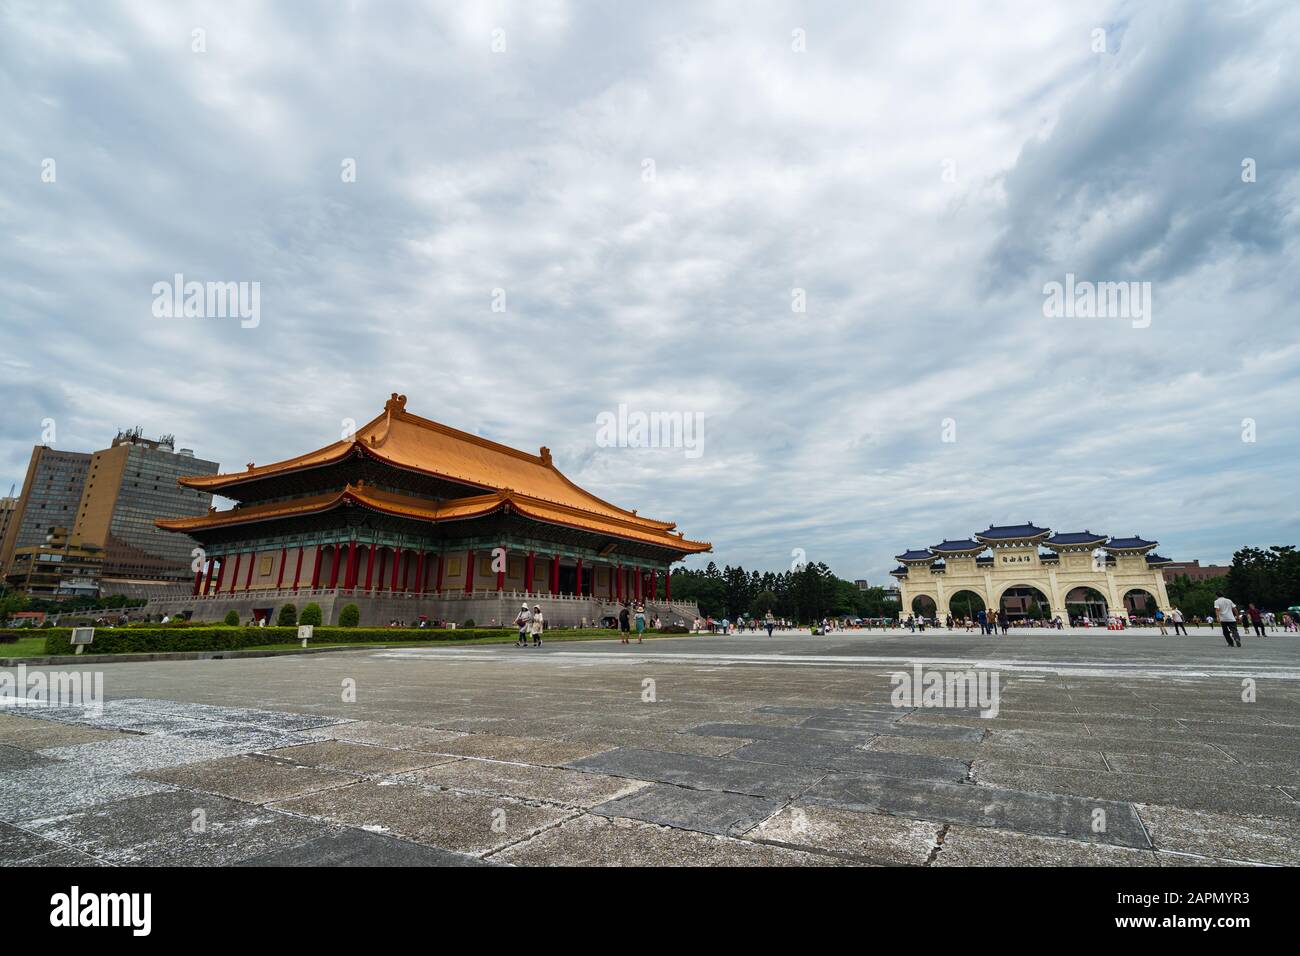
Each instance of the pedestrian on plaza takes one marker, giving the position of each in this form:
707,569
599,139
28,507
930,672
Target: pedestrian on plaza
948,621
1176,616
623,627
983,617
1256,619
522,620
1160,622
640,622
769,622
537,625
911,624
1226,612
1003,621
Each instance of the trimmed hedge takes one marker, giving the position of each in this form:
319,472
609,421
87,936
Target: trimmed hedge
155,640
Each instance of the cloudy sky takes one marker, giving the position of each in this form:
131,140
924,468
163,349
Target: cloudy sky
654,188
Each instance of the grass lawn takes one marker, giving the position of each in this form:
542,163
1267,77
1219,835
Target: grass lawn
563,634
25,647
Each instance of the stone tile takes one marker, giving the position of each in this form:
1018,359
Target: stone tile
702,773
159,830
668,741
1039,813
356,758
127,755
1049,742
351,847
14,758
838,756
708,811
27,733
533,750
253,779
396,736
592,840
867,836
570,788
40,791
463,823
17,845
1158,766
1223,836
60,857
1189,793
972,846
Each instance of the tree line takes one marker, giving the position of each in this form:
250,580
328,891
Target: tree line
807,593
1268,578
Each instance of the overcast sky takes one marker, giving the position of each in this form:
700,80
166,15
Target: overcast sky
650,185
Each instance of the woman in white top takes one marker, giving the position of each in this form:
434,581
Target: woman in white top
536,625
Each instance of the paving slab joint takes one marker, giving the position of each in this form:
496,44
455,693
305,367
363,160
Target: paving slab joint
938,845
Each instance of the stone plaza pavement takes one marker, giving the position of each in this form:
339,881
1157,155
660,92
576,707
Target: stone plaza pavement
1108,748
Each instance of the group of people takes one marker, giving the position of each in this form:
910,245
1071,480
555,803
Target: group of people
628,618
530,623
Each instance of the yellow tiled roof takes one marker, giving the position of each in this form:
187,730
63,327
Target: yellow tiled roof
393,503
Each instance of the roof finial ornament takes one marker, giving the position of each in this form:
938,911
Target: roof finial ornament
250,466
395,403
546,455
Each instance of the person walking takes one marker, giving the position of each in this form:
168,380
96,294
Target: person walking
1226,613
640,622
1160,622
1003,620
983,617
769,622
623,628
537,625
1176,616
522,620
1256,619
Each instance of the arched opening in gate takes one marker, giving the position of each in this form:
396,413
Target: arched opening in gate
923,606
965,604
1085,603
1141,604
1025,603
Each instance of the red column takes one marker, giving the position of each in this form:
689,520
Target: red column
198,581
315,571
419,574
397,560
618,583
297,570
334,571
501,574
279,578
555,574
654,585
578,585
528,572
221,575
668,584
469,572
611,583
438,585
248,578
212,567
234,577
370,568
354,564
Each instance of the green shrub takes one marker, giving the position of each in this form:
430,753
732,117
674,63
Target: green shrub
350,616
310,615
469,622
288,616
217,637
232,618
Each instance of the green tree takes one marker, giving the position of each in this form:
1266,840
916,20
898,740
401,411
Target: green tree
310,615
288,616
232,618
350,616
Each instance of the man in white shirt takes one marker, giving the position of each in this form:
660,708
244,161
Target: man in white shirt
1225,612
